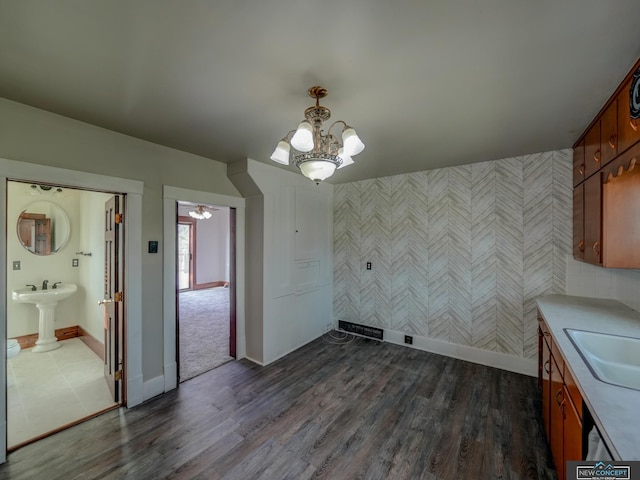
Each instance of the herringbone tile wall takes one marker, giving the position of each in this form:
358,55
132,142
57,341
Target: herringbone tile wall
459,254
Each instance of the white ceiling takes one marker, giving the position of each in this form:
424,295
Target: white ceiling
426,83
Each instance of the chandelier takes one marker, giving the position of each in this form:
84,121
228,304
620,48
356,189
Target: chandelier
315,153
199,213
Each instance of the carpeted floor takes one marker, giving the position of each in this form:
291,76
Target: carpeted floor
203,323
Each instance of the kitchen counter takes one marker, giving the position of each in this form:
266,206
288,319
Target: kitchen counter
615,410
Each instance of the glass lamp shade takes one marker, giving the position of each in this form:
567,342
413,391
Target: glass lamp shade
281,153
200,213
317,170
351,142
346,159
302,140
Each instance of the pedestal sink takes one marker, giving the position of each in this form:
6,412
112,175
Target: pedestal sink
45,301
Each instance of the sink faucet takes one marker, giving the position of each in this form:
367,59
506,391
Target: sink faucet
33,287
55,285
44,284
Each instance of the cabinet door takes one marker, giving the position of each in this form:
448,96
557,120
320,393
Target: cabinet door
592,153
609,133
546,387
557,419
621,223
578,222
593,220
572,433
578,163
628,129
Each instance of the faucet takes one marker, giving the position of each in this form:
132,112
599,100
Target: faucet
55,285
44,284
33,287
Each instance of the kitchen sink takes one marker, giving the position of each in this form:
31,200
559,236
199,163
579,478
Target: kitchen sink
612,359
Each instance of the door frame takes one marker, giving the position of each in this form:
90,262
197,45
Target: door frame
193,224
172,195
15,170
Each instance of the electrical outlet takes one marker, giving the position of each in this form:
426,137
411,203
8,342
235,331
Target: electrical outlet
75,262
408,339
368,265
16,264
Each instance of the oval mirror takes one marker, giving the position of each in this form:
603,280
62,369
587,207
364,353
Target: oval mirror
43,228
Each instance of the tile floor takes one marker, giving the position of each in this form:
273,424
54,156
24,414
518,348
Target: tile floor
51,389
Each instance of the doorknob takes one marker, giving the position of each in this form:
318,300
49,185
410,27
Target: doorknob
102,302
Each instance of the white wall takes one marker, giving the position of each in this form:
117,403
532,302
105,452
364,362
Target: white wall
586,280
22,318
212,247
31,135
289,281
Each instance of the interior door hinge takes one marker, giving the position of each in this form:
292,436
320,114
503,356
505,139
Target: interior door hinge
119,218
117,376
118,296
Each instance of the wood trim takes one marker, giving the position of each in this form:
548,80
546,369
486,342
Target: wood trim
184,220
217,283
29,341
13,448
95,345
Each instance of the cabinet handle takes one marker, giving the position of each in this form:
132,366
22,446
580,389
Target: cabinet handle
581,246
596,156
581,169
562,409
633,124
557,395
545,366
596,247
612,141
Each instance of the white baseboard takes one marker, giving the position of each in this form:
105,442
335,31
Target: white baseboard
135,391
511,363
170,376
153,387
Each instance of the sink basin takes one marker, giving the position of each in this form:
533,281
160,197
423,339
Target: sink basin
612,359
45,301
49,296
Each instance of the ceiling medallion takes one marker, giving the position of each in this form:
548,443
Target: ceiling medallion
315,153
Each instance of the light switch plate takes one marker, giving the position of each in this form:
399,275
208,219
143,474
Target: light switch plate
75,262
16,264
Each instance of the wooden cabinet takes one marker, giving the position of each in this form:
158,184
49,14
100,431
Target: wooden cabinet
609,133
628,129
578,163
578,222
592,152
561,402
608,236
593,219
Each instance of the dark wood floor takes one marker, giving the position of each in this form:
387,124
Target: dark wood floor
363,409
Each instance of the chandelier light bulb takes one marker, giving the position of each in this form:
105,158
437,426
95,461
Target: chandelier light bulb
351,142
200,213
281,153
302,140
346,159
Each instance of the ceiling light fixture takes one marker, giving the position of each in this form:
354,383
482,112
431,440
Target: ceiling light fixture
200,213
316,154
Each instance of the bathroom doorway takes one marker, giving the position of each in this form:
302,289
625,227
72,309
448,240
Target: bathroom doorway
62,381
205,293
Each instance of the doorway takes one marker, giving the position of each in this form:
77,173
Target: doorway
60,383
205,319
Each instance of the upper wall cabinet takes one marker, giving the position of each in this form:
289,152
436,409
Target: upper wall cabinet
606,181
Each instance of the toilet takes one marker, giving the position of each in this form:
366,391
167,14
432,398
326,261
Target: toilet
13,349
